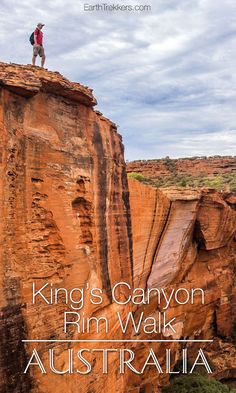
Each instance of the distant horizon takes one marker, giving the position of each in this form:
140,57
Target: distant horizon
181,158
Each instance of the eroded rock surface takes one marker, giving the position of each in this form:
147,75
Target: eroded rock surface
186,238
195,166
65,216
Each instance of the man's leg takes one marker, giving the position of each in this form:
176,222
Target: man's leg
33,60
35,54
43,60
43,57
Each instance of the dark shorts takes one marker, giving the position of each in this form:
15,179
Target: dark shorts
38,50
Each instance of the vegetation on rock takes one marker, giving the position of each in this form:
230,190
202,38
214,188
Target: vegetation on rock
196,383
137,176
225,182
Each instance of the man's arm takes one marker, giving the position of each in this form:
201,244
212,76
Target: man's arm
35,38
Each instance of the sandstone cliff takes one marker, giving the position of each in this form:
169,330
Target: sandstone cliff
69,217
64,213
195,166
186,238
218,172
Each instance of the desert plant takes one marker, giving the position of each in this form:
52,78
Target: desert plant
137,176
195,383
183,183
170,163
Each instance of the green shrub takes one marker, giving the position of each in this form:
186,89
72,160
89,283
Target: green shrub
170,164
195,383
224,182
183,183
137,176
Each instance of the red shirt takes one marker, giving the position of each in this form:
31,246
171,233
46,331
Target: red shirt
39,35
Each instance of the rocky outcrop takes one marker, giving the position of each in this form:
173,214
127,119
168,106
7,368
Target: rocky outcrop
195,166
65,215
186,238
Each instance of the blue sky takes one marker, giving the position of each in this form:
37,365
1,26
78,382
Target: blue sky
166,76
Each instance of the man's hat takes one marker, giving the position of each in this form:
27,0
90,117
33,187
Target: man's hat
40,24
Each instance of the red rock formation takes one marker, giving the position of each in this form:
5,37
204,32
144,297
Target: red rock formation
65,214
186,238
195,166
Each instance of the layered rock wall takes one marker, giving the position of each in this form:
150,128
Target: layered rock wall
198,166
186,239
65,216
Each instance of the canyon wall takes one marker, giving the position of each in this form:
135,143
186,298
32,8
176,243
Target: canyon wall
185,238
69,218
65,218
195,166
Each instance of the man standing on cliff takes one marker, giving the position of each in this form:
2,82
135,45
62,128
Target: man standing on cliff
38,48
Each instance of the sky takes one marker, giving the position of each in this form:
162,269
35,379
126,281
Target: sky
165,76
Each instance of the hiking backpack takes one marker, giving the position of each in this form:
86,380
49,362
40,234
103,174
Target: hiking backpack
31,39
